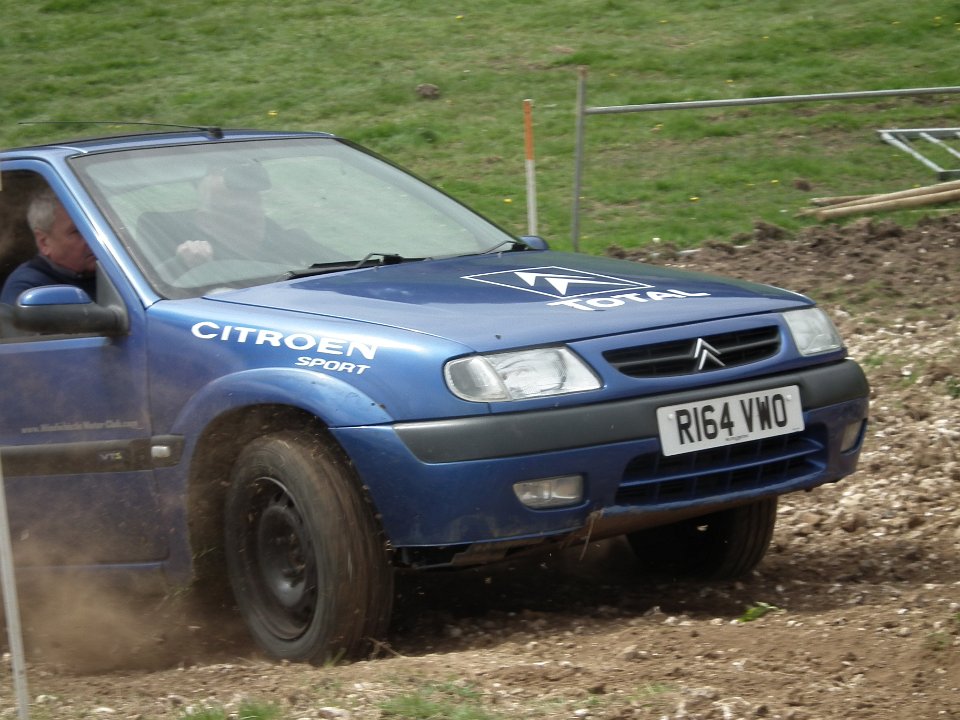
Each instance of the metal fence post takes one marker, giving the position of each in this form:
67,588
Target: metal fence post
11,608
578,156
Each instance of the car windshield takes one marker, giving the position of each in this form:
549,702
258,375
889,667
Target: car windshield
238,213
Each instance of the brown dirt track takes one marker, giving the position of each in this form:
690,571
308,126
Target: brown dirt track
864,576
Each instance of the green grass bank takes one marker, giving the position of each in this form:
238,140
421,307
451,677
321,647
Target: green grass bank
352,68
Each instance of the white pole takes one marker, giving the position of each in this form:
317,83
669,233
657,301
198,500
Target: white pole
529,164
11,608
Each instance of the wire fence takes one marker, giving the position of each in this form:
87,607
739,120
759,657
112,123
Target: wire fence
583,111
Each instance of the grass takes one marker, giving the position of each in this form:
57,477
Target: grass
460,701
945,637
953,387
246,711
452,701
352,68
757,611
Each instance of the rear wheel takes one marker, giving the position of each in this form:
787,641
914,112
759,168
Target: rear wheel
305,556
723,545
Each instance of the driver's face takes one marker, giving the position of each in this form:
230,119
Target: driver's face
63,244
230,215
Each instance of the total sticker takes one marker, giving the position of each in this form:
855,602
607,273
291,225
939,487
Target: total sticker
614,301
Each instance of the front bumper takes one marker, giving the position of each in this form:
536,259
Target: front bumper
450,482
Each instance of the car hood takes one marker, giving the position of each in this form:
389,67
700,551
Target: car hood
518,298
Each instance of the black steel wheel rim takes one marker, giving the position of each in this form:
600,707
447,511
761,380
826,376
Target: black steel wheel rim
280,560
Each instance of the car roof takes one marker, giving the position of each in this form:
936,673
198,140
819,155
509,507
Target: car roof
126,141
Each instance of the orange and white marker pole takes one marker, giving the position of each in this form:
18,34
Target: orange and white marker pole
529,163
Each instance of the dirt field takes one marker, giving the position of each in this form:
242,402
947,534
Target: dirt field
861,586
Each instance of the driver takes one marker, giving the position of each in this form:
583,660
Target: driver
230,217
63,256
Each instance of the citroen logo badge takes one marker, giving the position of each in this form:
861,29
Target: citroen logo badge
704,353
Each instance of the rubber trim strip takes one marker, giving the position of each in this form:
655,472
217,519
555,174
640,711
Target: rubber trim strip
99,456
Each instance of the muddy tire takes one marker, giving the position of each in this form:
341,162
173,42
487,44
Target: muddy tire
305,556
723,545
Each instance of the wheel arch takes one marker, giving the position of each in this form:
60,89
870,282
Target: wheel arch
209,477
335,402
229,413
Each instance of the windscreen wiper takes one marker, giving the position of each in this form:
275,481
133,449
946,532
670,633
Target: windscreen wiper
514,245
385,259
374,259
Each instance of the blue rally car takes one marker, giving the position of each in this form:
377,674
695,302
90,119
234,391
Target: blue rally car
300,368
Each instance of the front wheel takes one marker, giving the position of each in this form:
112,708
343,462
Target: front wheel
719,546
305,556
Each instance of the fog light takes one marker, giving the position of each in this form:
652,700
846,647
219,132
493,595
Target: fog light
851,435
550,492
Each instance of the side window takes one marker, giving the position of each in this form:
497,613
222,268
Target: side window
39,246
17,244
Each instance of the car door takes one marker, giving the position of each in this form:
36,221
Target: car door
74,431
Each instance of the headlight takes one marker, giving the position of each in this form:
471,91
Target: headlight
813,331
518,375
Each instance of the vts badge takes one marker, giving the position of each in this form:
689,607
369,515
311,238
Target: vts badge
579,289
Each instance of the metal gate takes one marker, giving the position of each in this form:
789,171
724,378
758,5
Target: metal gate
939,139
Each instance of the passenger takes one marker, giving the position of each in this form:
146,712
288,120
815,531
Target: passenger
63,256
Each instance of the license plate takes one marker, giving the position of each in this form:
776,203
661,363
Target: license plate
729,420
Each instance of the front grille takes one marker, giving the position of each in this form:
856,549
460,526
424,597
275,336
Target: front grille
684,357
653,479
